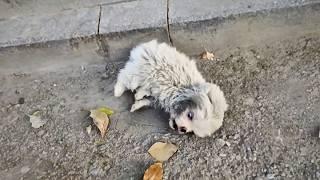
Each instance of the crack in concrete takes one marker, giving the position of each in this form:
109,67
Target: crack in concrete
101,41
168,25
118,2
99,19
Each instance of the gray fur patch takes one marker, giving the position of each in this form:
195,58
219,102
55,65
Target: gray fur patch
180,106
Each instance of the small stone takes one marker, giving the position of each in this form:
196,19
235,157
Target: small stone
24,169
41,133
21,100
270,176
249,101
89,129
220,142
222,155
236,136
54,85
228,144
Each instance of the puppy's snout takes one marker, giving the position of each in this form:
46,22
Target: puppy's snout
183,129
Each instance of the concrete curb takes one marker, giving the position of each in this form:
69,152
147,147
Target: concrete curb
219,35
126,16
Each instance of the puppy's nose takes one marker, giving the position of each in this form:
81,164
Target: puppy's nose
183,129
175,125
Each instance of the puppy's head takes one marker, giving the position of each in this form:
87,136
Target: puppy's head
201,111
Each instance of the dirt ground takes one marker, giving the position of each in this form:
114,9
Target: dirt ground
271,130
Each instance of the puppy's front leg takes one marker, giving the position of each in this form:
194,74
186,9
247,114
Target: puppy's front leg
141,93
139,104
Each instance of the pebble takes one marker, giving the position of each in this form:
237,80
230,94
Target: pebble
270,176
249,101
222,155
236,136
21,100
41,132
89,129
228,144
24,169
221,142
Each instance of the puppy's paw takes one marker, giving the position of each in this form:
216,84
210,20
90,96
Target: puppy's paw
133,108
139,104
140,94
118,89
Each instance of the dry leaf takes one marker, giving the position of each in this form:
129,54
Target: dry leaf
106,110
154,172
162,151
101,120
207,55
36,121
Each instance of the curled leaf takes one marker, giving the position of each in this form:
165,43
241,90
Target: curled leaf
101,120
162,151
207,55
154,172
106,110
35,119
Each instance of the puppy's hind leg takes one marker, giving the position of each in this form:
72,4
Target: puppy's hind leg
120,86
119,89
139,104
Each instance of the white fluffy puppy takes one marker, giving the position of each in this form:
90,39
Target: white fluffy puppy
162,76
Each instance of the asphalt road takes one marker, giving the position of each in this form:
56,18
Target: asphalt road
271,129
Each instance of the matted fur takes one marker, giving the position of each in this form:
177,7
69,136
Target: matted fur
162,76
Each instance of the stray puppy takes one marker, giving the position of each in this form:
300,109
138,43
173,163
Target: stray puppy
162,76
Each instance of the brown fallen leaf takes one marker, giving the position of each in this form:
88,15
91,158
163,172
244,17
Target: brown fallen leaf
101,120
154,172
207,55
162,151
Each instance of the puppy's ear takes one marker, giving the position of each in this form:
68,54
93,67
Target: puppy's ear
180,106
217,99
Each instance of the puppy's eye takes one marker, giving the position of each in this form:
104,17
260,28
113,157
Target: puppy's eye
190,115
